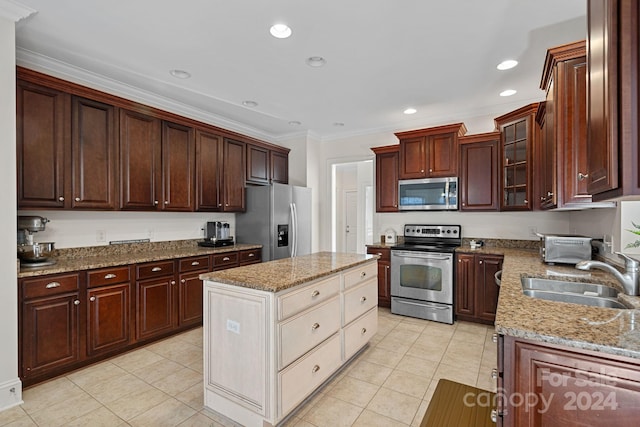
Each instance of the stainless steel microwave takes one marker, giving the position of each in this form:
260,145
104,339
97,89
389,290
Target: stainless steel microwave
428,194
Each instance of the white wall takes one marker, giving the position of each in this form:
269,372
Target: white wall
8,291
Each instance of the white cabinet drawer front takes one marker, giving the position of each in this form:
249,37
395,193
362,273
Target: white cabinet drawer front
360,300
303,332
304,376
358,333
297,301
360,274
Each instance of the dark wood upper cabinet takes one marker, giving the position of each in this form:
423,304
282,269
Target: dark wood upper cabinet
140,161
613,93
478,187
233,163
42,135
178,167
387,160
279,166
563,163
208,171
258,165
430,152
94,150
519,135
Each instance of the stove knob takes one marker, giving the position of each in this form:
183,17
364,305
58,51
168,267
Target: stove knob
448,231
455,231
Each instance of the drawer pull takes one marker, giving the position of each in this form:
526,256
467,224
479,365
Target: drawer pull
252,255
364,273
363,299
315,293
364,331
494,374
155,269
315,369
195,263
315,326
494,338
52,285
379,253
92,299
110,276
226,258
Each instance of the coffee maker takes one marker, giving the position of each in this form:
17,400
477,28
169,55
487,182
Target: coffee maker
33,254
217,233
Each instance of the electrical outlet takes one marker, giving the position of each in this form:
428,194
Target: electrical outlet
533,231
101,236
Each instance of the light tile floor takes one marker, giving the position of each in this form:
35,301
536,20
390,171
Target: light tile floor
389,384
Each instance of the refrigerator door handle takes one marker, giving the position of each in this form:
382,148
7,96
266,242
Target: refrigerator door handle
292,251
295,230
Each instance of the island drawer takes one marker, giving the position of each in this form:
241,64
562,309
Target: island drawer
107,276
360,274
297,301
154,269
358,333
225,260
306,330
44,286
359,300
194,263
305,375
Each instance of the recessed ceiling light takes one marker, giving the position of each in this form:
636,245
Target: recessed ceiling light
180,74
294,123
410,111
316,61
250,104
339,124
280,31
508,92
507,64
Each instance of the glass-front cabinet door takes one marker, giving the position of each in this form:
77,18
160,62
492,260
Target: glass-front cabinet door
518,134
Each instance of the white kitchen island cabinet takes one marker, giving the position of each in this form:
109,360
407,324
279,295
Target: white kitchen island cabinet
275,332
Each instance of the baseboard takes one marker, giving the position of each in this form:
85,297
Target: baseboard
10,394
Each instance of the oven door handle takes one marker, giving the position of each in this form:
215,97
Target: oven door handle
421,256
437,307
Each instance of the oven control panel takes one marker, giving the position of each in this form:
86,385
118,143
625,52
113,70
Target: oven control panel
439,231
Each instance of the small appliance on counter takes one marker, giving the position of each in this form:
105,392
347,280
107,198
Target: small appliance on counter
217,233
390,236
33,254
564,248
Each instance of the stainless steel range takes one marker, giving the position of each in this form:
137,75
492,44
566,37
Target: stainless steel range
422,272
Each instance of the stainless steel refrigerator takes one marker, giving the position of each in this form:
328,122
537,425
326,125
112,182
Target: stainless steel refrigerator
278,217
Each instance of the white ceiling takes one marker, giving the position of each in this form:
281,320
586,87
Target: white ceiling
382,56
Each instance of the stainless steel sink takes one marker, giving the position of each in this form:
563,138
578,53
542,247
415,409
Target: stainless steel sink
592,294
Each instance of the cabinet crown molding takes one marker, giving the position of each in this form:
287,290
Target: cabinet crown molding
460,128
559,54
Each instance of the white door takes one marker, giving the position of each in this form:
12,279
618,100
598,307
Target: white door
351,221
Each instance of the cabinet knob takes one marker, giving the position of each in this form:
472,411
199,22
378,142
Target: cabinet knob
166,202
363,274
363,331
173,282
549,194
315,369
494,338
315,293
183,281
155,202
315,326
494,374
219,205
480,262
526,201
582,176
464,204
226,204
430,170
421,170
379,254
77,199
61,199
387,267
76,302
363,299
92,299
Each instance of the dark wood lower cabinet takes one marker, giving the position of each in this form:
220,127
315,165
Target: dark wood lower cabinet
476,293
384,274
552,385
70,320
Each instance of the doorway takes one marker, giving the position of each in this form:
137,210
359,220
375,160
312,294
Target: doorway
351,206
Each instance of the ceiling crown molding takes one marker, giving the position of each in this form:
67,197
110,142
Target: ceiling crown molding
15,11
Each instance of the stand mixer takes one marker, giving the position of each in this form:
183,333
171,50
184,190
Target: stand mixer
33,254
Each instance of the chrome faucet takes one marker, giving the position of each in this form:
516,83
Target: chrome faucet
629,279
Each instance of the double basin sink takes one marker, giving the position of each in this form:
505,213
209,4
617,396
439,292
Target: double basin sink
591,294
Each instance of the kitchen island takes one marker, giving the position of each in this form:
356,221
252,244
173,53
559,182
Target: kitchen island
275,332
561,363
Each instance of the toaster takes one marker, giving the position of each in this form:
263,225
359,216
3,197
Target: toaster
564,248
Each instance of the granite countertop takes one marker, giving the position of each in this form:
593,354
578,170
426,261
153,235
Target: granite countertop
605,330
78,259
278,275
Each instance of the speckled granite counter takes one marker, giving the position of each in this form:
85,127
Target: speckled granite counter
275,276
77,259
591,328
